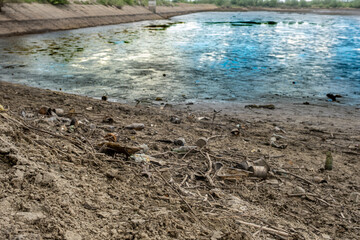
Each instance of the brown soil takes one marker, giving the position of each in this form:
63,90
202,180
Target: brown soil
55,184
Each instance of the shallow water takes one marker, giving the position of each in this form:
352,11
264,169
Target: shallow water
223,56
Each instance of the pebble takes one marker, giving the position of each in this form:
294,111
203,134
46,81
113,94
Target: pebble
144,148
175,120
299,190
70,235
355,197
30,216
136,126
59,111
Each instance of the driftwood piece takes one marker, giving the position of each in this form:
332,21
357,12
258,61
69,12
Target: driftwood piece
112,147
270,230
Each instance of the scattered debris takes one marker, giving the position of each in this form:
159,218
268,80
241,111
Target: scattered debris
269,106
180,142
2,109
184,149
235,131
258,171
274,144
201,142
328,161
141,158
108,120
333,96
111,148
111,137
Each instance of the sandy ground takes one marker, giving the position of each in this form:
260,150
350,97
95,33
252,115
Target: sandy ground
57,183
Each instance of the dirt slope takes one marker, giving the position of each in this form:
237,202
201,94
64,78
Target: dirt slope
56,184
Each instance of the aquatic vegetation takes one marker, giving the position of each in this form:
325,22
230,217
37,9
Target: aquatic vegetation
161,26
241,24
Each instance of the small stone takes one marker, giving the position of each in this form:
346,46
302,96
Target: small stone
48,178
19,174
30,216
175,120
173,234
272,181
70,235
325,236
144,148
318,179
38,178
298,190
216,235
112,173
355,197
59,111
109,128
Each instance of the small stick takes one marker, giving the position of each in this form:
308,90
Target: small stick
177,192
270,230
187,153
215,136
160,154
184,180
43,131
302,194
207,174
297,176
258,231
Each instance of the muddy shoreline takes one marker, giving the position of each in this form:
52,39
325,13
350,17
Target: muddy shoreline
56,183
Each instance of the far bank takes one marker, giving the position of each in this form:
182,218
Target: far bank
25,18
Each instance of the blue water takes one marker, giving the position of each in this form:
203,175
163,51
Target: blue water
203,57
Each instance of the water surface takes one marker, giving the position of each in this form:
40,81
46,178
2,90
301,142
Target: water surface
223,56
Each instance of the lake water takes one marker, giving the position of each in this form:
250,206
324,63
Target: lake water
212,56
